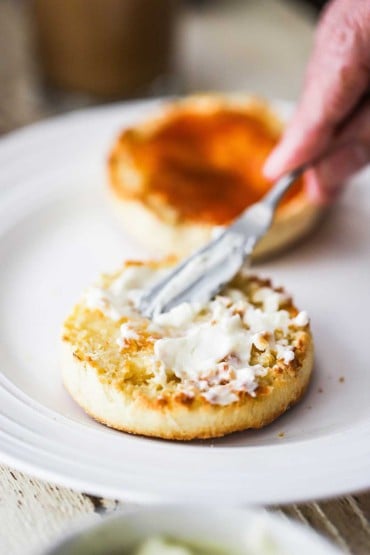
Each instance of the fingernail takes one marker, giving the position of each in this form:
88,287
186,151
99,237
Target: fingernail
272,165
281,156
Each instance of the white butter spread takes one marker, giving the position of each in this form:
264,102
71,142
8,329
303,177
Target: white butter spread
120,298
301,319
157,545
127,332
210,263
179,316
208,347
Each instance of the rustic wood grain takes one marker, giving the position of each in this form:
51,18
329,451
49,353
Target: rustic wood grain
32,512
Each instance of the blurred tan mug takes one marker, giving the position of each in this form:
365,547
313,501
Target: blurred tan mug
110,48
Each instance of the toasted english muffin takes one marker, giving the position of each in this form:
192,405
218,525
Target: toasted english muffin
198,371
196,165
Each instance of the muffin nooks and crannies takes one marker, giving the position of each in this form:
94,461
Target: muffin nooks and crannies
198,371
196,165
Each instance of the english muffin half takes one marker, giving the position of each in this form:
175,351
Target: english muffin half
197,164
198,371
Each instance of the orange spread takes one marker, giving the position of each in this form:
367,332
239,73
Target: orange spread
207,167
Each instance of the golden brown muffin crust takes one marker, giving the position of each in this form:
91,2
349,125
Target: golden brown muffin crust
205,165
103,377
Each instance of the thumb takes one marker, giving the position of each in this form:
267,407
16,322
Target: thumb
325,182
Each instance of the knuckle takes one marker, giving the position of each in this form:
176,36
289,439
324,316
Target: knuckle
345,28
340,64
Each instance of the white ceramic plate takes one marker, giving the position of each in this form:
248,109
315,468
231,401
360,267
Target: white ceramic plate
232,531
57,235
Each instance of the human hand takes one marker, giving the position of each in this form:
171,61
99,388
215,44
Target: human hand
332,110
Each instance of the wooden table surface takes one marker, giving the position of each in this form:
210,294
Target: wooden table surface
268,42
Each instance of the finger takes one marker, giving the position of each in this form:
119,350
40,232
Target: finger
337,76
326,181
